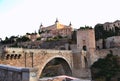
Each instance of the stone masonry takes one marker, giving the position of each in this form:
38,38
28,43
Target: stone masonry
37,58
10,73
79,60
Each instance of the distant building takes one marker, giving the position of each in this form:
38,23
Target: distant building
111,25
55,30
32,36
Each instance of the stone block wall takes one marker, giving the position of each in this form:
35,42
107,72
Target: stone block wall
37,58
10,73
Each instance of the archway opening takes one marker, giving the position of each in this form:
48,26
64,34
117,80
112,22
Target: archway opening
56,67
84,48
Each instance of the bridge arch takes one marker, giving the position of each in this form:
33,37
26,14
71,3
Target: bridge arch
61,58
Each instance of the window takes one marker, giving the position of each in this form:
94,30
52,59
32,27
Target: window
84,48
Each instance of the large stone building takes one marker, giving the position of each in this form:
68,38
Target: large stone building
55,30
111,25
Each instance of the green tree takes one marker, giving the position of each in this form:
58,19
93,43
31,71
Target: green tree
106,68
98,31
23,39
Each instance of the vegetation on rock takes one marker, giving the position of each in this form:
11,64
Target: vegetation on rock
106,68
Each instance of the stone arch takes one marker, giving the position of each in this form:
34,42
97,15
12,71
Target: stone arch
50,59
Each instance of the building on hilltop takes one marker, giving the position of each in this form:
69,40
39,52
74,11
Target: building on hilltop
32,36
111,25
108,26
56,29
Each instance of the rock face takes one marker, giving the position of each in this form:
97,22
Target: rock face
110,42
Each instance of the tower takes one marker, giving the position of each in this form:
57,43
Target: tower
70,24
86,44
40,29
56,21
83,57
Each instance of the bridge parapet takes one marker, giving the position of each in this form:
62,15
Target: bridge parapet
8,50
35,51
11,73
46,51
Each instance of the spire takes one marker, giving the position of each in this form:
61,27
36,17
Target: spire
41,25
40,29
35,32
56,20
70,24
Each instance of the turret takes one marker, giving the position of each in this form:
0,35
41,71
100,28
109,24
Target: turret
70,24
56,21
40,29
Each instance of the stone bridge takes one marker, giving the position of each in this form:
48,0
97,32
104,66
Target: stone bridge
37,58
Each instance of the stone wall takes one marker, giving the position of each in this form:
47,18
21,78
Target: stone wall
103,52
10,73
49,44
110,42
99,44
85,38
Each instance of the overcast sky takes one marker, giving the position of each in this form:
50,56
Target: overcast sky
18,17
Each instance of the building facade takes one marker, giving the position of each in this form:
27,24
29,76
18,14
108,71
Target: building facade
111,25
56,29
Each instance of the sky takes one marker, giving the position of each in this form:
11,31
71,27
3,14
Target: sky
17,17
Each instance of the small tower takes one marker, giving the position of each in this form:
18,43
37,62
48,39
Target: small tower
56,21
70,24
40,29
